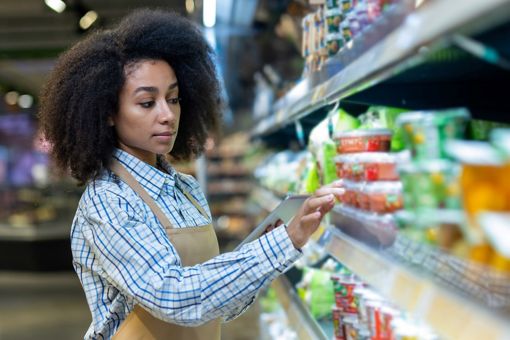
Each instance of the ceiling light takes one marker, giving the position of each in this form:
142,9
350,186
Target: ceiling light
88,19
25,101
57,5
190,6
11,97
209,15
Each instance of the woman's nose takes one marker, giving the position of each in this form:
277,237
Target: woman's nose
166,112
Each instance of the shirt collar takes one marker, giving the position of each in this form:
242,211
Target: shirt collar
150,178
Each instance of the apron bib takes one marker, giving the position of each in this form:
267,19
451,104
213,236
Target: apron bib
194,245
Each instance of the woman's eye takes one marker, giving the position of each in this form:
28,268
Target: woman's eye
174,101
147,105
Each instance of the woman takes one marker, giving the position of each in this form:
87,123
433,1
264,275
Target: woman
142,241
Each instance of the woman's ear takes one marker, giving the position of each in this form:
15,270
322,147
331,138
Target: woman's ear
110,121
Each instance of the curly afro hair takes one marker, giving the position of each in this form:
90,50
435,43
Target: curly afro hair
83,90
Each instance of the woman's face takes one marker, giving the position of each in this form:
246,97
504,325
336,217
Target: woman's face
149,110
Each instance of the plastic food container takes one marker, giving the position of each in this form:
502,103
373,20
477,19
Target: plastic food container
431,185
344,286
384,197
363,197
352,167
374,316
363,140
378,166
388,314
484,181
439,227
351,325
426,132
500,138
337,324
333,20
342,166
334,42
350,197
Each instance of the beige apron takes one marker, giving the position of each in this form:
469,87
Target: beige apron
194,245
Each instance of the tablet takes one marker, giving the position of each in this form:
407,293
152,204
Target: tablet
285,211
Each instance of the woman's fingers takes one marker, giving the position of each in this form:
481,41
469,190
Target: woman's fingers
312,220
314,203
278,223
329,190
336,184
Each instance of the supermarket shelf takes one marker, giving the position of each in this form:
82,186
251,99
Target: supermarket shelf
29,233
302,322
419,38
416,293
237,171
222,154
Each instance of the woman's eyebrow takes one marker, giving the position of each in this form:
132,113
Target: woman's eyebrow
151,89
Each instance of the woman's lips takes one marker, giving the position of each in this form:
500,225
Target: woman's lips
164,136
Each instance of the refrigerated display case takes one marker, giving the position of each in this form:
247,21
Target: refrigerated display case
438,54
36,205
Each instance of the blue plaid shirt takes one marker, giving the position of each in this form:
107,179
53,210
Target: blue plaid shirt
123,256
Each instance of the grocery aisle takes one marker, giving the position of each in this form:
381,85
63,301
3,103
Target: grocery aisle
390,104
42,306
53,306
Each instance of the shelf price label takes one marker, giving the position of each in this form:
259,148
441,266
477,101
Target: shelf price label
280,116
318,93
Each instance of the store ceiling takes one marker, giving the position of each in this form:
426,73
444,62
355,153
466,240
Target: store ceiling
32,35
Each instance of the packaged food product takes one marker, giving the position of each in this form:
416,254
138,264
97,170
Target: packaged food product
388,314
350,197
363,197
330,4
442,228
430,185
346,31
337,324
500,139
324,150
354,24
363,296
333,20
344,286
346,6
426,132
339,163
374,317
346,122
378,166
350,323
305,44
334,43
350,167
363,140
384,197
484,182
373,10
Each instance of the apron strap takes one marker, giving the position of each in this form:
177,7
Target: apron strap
121,171
196,204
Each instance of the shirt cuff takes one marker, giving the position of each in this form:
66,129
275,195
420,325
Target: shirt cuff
278,249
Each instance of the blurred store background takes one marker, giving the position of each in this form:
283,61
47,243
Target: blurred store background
257,44
317,91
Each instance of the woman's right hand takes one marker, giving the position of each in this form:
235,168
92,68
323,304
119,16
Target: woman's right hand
309,216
